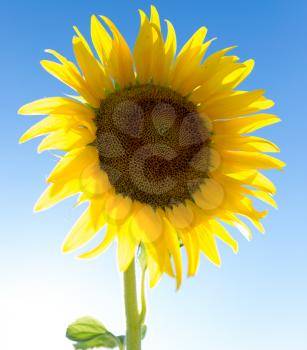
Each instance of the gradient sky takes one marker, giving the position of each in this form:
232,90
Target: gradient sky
257,299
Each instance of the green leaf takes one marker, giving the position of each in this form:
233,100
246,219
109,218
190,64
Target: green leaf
107,340
143,331
84,329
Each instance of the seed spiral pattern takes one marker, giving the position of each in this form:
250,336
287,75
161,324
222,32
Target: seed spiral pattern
152,144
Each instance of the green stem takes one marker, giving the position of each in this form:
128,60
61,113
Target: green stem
143,298
133,332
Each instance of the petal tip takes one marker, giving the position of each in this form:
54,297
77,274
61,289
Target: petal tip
82,257
218,263
22,139
38,208
66,247
282,165
21,110
65,250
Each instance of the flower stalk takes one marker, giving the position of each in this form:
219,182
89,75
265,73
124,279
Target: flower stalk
133,319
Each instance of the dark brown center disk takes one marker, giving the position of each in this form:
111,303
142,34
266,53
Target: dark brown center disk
152,144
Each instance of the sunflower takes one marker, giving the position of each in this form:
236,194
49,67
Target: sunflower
157,144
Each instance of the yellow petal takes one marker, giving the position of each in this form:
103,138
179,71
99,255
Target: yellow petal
263,196
55,193
150,44
223,235
117,208
232,220
93,182
212,64
243,206
126,246
236,104
147,223
143,48
101,39
154,271
191,244
158,251
196,40
47,125
171,239
68,73
237,186
224,76
66,140
244,143
187,65
154,17
208,245
244,229
93,71
180,216
255,179
103,246
217,84
244,125
210,196
169,54
82,232
56,105
250,160
249,66
120,64
193,79
73,163
160,65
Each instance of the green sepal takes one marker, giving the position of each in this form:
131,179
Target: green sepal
108,92
143,331
95,109
117,86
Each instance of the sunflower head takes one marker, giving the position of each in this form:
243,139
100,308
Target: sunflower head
157,144
156,137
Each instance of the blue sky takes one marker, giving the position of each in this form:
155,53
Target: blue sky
256,300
